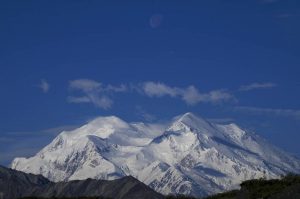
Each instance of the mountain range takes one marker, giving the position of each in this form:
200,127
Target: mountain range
187,155
15,184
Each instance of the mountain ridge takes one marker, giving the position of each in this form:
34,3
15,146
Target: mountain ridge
189,155
16,184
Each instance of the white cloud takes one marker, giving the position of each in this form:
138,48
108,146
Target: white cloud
44,86
154,89
101,101
192,96
121,88
269,111
94,92
85,85
219,95
189,95
256,85
100,95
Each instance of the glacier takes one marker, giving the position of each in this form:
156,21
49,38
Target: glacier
187,155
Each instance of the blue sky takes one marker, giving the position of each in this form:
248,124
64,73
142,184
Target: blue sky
65,62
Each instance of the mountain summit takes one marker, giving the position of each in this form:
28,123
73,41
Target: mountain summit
187,156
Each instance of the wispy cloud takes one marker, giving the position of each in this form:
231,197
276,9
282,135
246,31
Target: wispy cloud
100,95
85,85
221,120
253,86
156,20
44,132
269,1
144,114
284,16
269,111
44,86
94,92
153,89
121,88
189,95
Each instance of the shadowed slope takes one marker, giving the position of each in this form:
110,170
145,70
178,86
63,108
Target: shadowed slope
16,184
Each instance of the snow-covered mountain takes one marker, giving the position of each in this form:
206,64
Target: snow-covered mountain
189,155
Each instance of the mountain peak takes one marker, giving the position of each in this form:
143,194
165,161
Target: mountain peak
190,117
190,155
189,121
100,126
108,119
187,115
